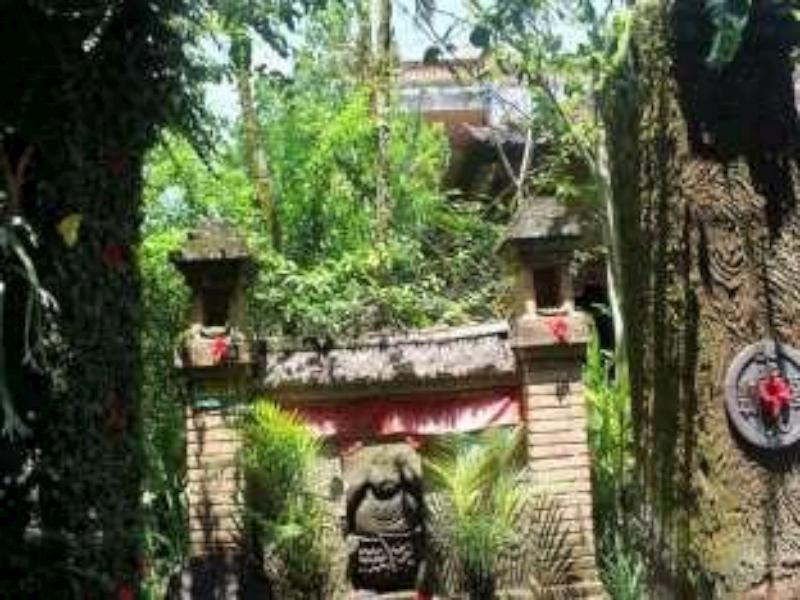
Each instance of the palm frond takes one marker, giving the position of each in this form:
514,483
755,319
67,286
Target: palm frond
488,525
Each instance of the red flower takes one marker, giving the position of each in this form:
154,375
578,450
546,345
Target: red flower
125,591
118,163
559,328
220,348
775,395
114,256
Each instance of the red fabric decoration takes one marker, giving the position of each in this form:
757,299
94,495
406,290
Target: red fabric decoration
775,395
559,328
114,256
220,348
418,415
423,596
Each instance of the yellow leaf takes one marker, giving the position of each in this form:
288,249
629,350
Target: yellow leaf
68,228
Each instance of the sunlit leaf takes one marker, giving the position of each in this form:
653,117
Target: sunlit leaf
69,228
729,18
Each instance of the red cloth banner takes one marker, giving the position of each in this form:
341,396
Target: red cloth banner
430,414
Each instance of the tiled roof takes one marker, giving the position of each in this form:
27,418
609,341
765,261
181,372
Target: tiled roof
457,71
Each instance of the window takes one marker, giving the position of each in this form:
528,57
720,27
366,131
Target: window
215,307
547,285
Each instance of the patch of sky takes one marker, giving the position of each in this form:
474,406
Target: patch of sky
412,38
451,21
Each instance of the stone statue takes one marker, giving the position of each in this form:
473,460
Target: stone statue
385,524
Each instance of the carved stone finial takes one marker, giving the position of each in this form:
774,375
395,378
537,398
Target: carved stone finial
539,243
216,265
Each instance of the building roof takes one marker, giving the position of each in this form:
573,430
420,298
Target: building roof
434,355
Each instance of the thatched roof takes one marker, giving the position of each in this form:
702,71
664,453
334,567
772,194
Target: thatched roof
434,355
542,218
212,241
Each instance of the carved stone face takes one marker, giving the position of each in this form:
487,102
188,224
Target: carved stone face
385,517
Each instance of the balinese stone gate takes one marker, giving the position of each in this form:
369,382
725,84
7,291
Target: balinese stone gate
378,397
705,181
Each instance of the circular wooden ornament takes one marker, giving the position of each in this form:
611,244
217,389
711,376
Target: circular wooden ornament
762,394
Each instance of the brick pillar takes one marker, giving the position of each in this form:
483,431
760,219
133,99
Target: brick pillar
213,482
555,415
549,338
216,359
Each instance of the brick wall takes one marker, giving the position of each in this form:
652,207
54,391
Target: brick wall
555,416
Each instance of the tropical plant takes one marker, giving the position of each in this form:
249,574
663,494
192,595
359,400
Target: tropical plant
485,518
17,240
290,524
622,569
610,430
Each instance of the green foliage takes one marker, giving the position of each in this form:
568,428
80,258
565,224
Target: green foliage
610,431
164,305
279,456
484,514
269,19
622,569
331,278
182,189
729,19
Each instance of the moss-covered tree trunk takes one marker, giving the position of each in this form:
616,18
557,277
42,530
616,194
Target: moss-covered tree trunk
705,180
87,95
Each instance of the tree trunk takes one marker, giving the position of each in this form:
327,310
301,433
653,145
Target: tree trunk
241,51
383,200
705,182
363,61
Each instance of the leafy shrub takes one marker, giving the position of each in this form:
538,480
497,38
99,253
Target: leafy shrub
486,519
610,433
290,524
164,300
622,570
